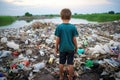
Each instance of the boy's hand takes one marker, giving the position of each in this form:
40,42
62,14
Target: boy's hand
56,50
57,44
75,50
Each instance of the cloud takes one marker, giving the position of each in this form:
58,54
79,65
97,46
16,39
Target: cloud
114,1
19,7
57,3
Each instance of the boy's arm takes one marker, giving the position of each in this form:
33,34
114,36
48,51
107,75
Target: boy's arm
75,43
57,44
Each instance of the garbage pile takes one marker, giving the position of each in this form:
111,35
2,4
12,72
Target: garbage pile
27,53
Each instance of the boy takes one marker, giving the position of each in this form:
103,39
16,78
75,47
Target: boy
66,43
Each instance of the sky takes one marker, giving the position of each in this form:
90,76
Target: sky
41,7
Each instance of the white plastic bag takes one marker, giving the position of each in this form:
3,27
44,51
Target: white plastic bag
4,40
13,45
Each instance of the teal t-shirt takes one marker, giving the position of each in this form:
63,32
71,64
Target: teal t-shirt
66,32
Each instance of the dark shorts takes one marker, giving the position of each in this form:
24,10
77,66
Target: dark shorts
66,56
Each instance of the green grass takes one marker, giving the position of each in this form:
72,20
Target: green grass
102,17
6,20
98,17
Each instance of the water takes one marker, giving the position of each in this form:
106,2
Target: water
56,20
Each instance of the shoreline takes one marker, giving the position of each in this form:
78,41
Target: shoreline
90,17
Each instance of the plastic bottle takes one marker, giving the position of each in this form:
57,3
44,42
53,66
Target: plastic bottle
1,74
3,78
51,60
39,65
41,53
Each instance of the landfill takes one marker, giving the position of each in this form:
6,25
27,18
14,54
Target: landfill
27,53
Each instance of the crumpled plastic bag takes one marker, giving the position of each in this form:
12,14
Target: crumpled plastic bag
96,49
38,66
4,40
12,44
5,53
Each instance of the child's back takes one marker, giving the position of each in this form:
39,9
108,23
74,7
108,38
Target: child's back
66,42
67,32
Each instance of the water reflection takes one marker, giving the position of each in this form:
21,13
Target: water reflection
29,20
57,20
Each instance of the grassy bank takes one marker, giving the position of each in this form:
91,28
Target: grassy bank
98,17
6,20
102,17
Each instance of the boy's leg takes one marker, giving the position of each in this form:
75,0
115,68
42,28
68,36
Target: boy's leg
61,66
71,72
70,59
62,62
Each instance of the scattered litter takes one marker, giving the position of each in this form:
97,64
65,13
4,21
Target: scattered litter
28,53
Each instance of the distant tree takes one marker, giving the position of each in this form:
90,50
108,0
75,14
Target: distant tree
18,16
118,13
111,12
28,14
51,15
75,13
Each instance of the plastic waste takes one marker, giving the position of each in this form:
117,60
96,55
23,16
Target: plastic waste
97,49
20,66
21,56
4,40
43,35
26,42
15,53
13,66
1,74
41,53
0,53
85,43
48,41
39,66
116,36
80,51
90,39
12,44
28,31
88,63
111,42
26,62
52,57
5,53
107,48
3,78
52,37
112,62
119,56
94,35
31,74
51,60
29,51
